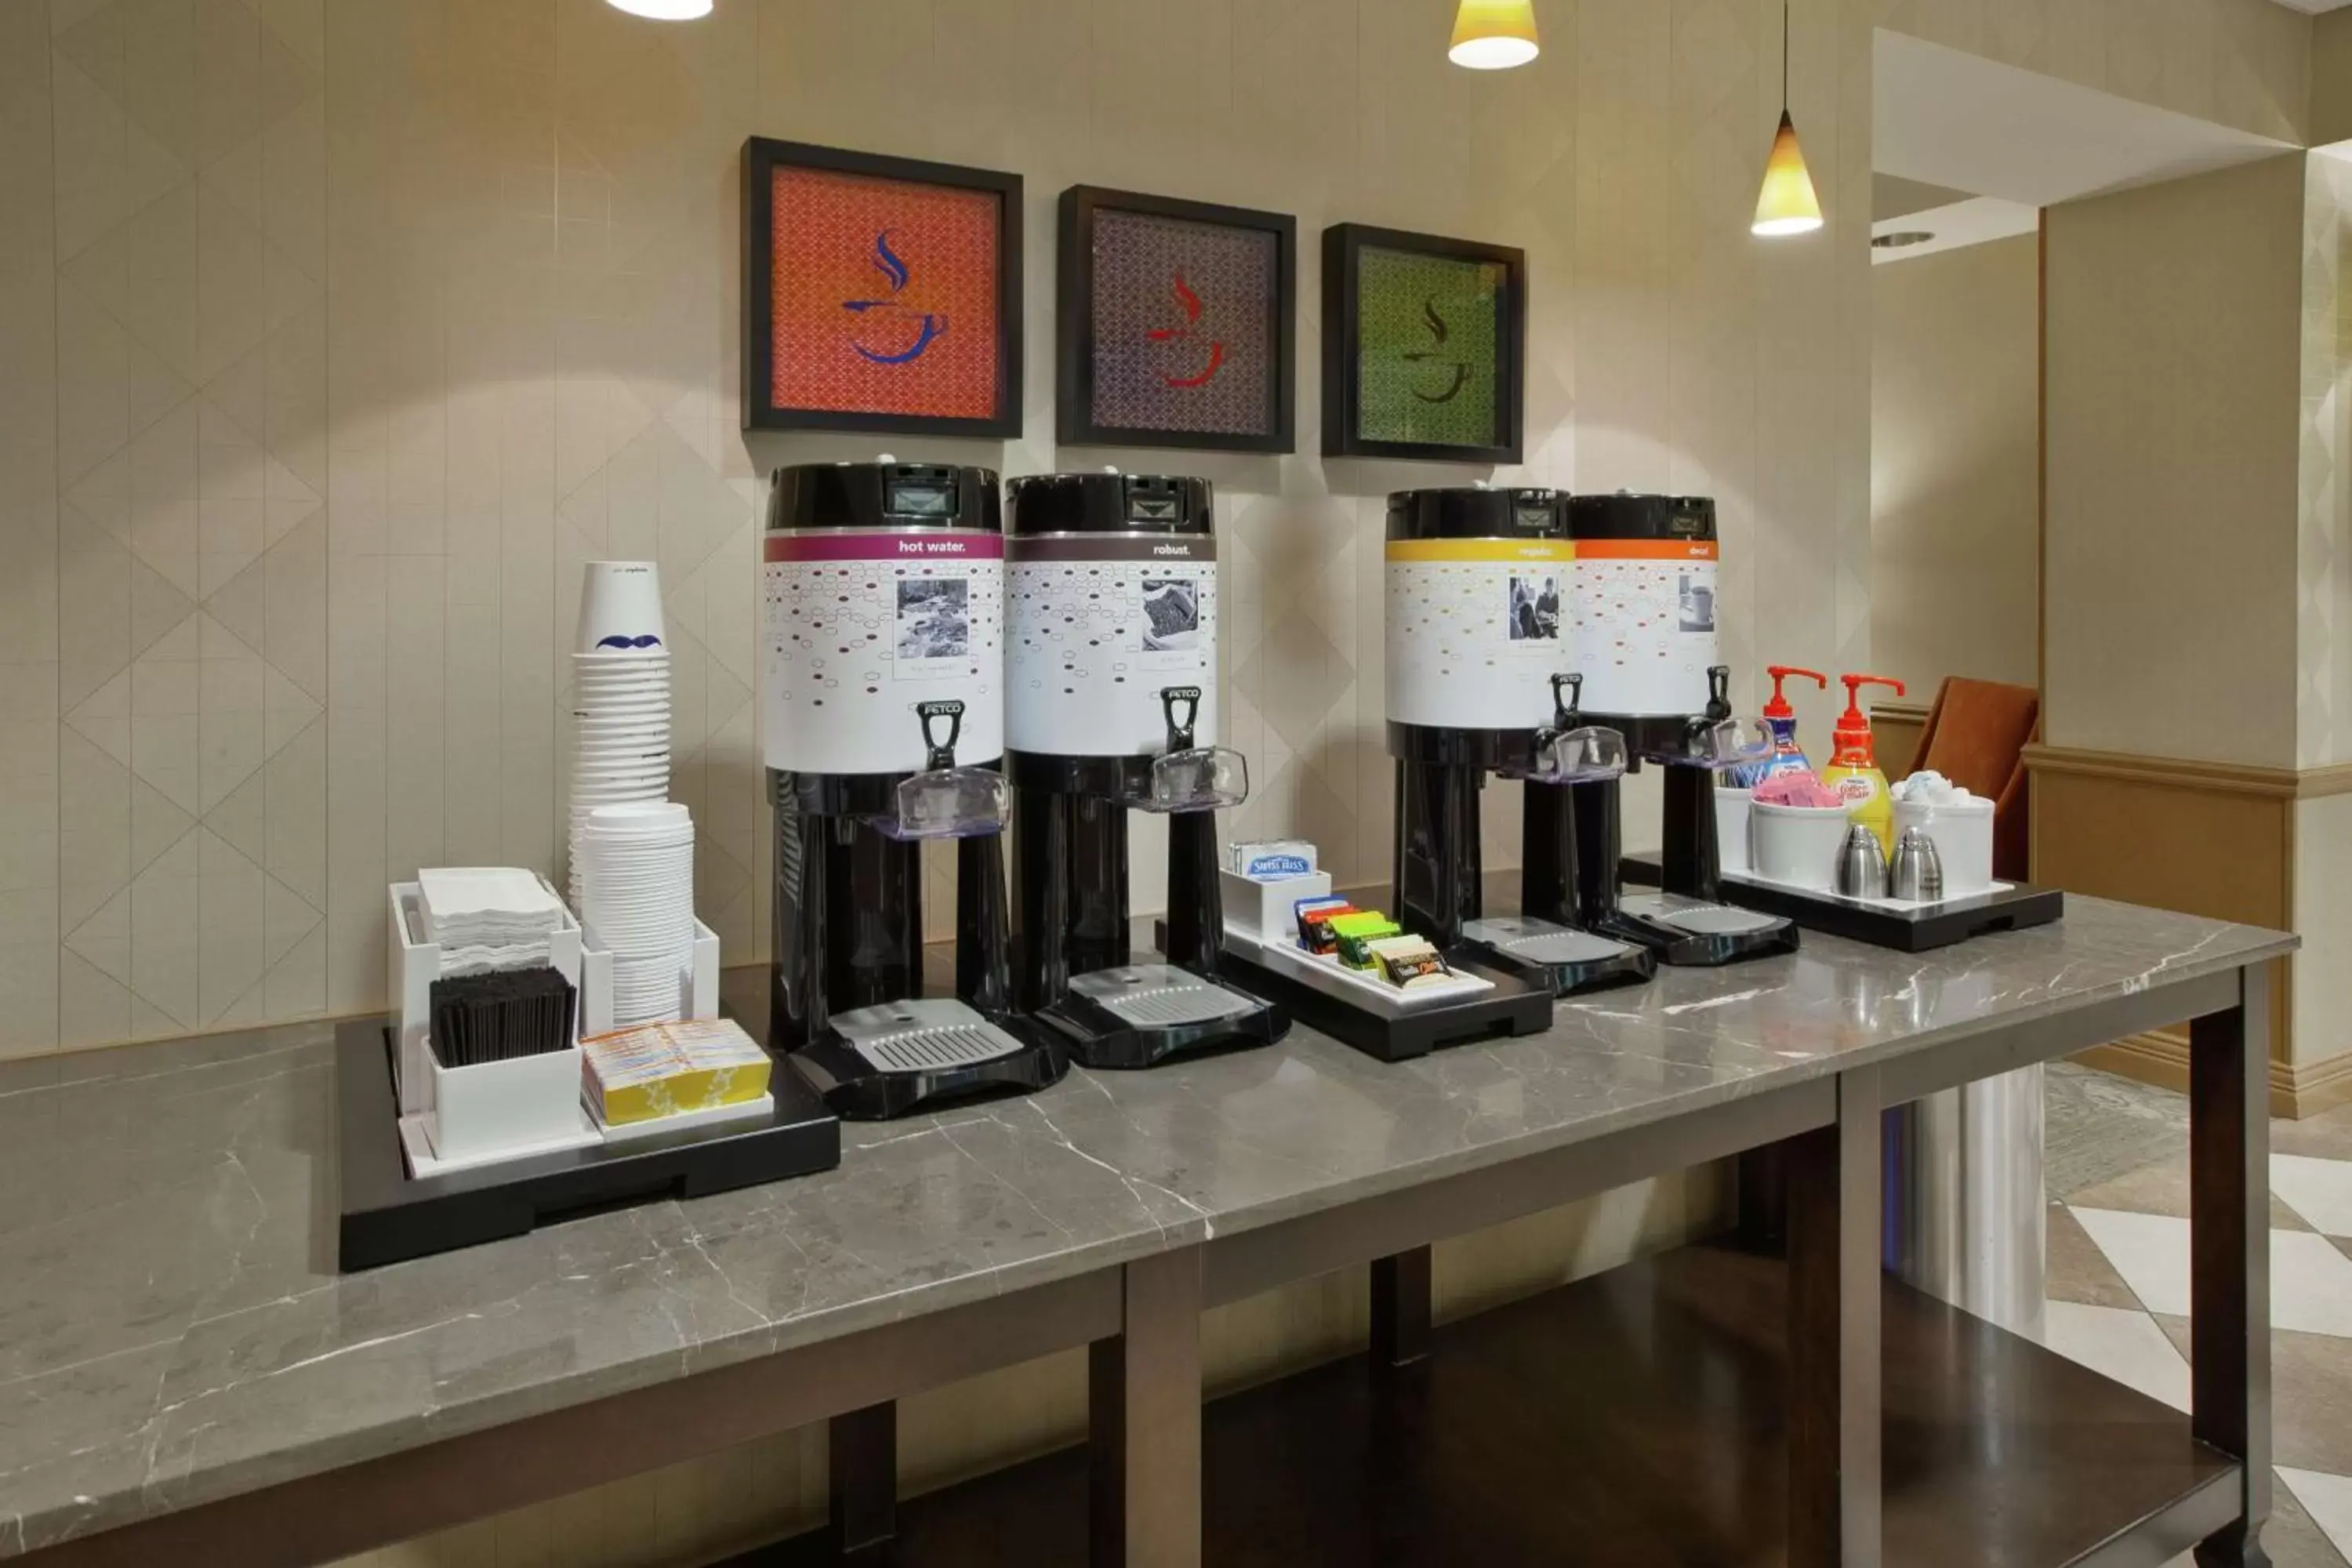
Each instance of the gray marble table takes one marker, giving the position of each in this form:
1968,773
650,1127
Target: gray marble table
172,1332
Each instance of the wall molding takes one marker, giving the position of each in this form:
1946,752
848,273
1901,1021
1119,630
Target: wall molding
2175,772
2161,1057
1901,711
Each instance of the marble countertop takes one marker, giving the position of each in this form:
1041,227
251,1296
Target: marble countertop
172,1331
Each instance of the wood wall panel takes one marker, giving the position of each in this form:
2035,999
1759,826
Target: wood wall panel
2202,837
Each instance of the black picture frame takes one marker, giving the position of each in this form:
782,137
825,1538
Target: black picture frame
762,157
1074,346
1343,247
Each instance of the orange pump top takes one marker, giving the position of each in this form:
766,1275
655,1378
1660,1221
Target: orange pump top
1778,707
1854,745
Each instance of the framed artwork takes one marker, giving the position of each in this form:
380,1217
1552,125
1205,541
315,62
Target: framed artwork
1423,346
1176,324
880,294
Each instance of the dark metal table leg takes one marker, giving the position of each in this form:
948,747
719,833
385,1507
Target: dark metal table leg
863,1469
1401,1308
2230,1255
1834,1205
1144,1419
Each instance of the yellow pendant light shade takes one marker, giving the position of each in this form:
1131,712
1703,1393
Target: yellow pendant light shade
1494,34
1786,204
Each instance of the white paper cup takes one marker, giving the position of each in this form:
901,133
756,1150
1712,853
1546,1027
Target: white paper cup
1731,813
620,607
1962,831
1799,844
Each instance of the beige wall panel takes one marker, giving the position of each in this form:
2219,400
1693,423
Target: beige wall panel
374,319
2173,365
1954,455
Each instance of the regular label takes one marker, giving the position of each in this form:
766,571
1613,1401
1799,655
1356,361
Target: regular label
862,626
1476,629
1097,627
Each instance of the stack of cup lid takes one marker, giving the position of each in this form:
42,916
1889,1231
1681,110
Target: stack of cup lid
620,697
635,864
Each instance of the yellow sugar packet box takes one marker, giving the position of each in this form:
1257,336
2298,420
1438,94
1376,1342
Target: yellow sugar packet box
661,1069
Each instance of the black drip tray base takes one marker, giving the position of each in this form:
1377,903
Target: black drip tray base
386,1216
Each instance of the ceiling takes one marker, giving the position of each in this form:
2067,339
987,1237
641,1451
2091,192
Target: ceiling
2315,6
1892,195
1943,117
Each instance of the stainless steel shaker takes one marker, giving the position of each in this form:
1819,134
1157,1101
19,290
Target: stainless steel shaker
1919,873
1862,865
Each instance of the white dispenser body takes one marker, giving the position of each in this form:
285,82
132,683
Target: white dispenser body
1097,624
860,625
1476,629
1642,632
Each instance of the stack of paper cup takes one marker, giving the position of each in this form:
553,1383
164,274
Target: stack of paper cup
637,871
621,696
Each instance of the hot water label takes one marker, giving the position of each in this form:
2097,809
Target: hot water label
1476,629
1642,632
861,629
1097,624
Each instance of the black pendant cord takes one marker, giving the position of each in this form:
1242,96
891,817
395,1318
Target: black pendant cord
1784,57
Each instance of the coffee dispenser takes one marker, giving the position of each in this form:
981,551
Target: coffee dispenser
1482,679
882,702
1111,706
1642,634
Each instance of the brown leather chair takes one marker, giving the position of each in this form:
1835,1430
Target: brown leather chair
1976,736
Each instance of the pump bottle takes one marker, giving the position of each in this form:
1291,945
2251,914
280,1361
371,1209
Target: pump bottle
1853,765
1782,718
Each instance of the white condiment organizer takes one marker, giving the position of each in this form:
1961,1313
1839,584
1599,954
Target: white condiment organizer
1262,926
416,965
698,981
1264,909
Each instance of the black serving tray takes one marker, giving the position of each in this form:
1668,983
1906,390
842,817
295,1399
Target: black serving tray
1921,930
389,1217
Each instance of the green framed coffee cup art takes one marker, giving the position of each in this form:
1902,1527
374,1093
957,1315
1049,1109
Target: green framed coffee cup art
1423,346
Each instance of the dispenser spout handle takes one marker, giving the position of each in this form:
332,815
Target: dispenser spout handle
940,754
1719,693
1180,729
1568,712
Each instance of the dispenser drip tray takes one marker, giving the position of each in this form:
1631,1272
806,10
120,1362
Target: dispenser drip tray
1156,995
1696,932
1699,919
1140,1015
1575,960
923,1036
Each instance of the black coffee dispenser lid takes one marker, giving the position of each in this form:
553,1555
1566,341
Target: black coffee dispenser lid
1109,503
884,495
1471,511
1625,515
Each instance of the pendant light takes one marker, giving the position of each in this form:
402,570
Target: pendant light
663,10
1494,34
1786,204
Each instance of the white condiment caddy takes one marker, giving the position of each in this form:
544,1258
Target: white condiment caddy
456,1118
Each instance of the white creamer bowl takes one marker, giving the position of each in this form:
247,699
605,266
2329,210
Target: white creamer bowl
1733,850
1798,845
1962,831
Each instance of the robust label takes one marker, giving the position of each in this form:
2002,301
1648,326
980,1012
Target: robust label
1643,631
1476,629
865,630
1098,627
